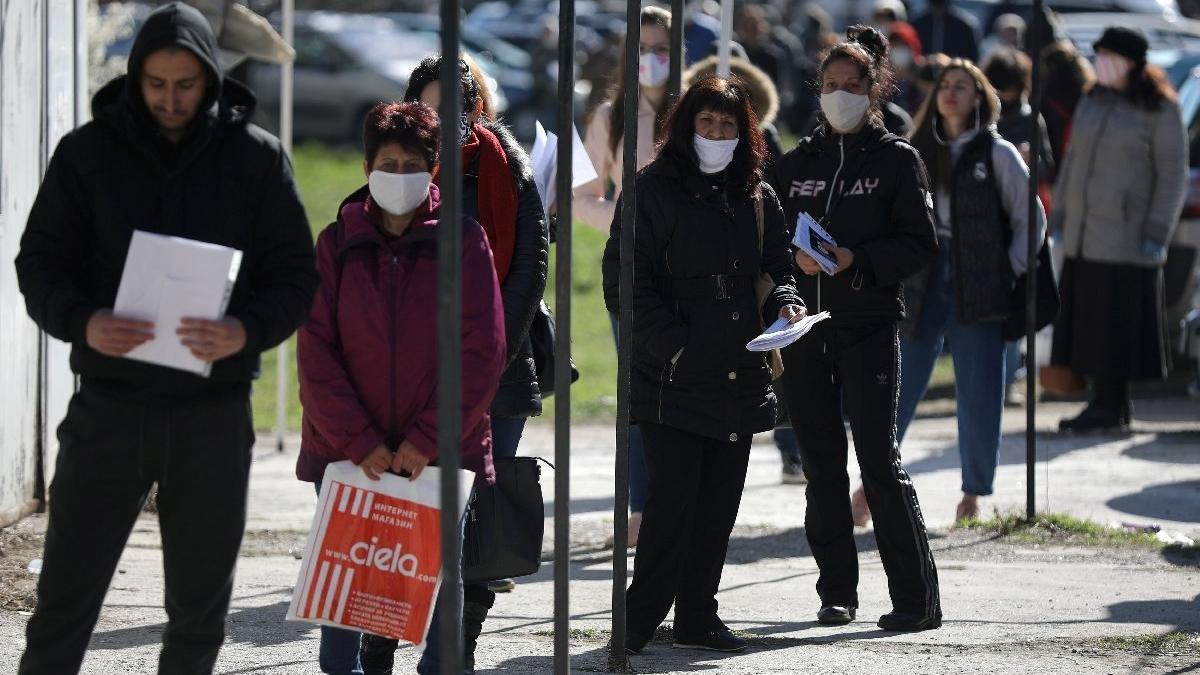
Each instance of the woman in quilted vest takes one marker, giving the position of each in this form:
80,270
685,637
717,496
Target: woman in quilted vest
981,206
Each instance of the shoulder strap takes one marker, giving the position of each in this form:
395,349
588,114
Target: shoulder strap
758,217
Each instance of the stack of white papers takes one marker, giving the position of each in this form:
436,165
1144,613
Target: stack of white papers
544,158
816,242
167,279
781,333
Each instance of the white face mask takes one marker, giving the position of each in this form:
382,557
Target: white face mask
901,57
714,155
1111,69
399,193
844,110
653,70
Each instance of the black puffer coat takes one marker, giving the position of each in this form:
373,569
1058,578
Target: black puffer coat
522,289
694,306
227,182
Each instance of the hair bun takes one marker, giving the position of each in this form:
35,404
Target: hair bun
868,37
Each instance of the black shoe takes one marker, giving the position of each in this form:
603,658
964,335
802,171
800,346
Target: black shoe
1094,418
835,615
633,644
718,640
910,622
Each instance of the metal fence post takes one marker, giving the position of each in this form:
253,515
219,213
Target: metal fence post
286,82
1035,157
449,292
562,340
617,660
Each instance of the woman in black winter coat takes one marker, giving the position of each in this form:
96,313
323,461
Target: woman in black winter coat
870,191
697,392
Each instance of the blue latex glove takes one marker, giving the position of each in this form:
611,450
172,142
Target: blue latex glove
1152,249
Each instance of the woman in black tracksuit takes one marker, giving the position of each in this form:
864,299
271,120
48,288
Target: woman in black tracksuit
697,392
870,191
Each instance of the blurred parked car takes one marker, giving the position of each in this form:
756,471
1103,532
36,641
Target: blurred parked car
345,64
1182,272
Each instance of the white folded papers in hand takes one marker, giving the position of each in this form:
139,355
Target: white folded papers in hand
544,158
816,242
781,333
167,279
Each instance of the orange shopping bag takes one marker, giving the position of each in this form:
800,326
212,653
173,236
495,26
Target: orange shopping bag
373,560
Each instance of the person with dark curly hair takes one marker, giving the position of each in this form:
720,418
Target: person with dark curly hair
870,191
707,228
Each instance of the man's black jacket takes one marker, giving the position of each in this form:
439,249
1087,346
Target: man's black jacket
227,182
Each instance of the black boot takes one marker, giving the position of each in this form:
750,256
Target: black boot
477,600
1097,418
1109,410
378,654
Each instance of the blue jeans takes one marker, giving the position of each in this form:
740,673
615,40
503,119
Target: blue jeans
338,654
506,436
787,443
639,478
1012,362
431,660
978,375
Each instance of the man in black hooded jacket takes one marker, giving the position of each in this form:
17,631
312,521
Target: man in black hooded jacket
169,151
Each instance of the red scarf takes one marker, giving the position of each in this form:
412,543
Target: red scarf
496,197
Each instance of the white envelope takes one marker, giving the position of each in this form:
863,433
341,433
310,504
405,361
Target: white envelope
544,158
169,278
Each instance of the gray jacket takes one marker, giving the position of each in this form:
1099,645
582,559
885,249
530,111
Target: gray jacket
1123,180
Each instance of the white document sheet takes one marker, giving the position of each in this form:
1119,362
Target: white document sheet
544,158
810,237
167,279
781,334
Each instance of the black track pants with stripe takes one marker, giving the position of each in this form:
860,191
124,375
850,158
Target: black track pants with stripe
852,372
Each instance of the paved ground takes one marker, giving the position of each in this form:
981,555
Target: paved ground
1009,608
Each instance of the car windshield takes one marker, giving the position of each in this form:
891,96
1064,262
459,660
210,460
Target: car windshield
379,46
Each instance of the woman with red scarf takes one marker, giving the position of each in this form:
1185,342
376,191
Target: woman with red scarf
499,192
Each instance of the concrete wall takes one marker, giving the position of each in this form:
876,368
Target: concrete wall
39,69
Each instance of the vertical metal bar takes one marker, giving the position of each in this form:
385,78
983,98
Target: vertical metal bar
562,340
1035,156
725,44
286,81
449,291
617,660
675,81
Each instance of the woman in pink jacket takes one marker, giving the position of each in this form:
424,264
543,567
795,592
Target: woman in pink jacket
368,353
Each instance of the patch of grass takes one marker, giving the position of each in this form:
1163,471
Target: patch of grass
1173,643
1058,528
324,177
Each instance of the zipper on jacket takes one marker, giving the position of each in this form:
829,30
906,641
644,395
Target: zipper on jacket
392,342
829,201
669,377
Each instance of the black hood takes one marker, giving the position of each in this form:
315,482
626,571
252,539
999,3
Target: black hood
175,25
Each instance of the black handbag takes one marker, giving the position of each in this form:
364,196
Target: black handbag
505,523
1047,299
541,336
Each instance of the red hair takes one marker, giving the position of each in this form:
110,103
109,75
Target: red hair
413,125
